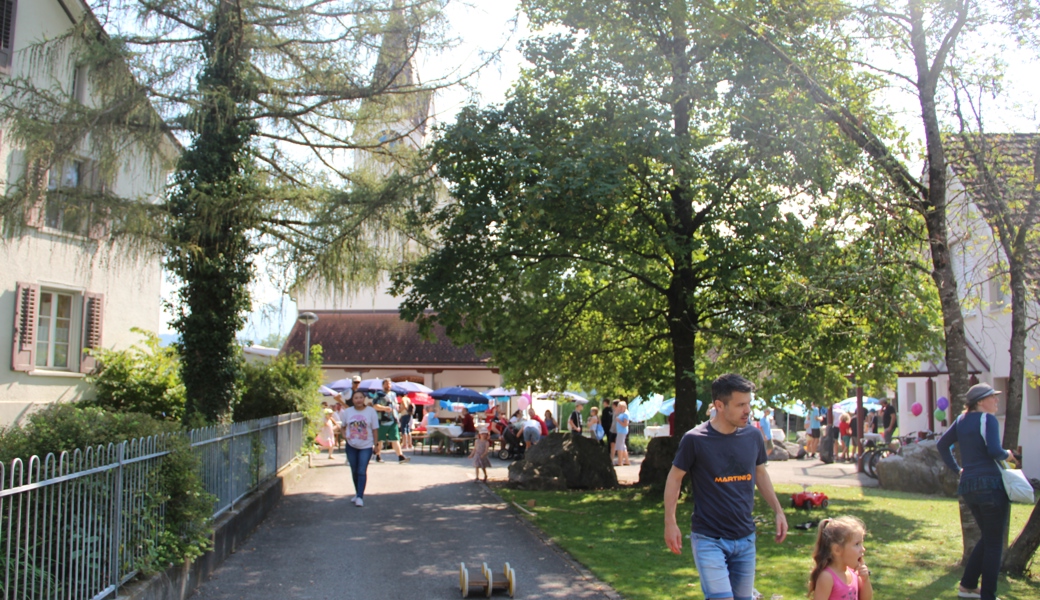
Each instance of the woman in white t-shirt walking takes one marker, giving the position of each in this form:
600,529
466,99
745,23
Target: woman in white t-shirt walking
361,430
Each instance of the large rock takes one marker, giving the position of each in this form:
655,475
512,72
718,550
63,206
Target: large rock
561,461
794,450
779,452
660,453
919,468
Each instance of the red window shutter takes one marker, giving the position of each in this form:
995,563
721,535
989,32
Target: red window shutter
93,313
23,350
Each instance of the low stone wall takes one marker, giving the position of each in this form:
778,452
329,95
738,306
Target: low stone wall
231,529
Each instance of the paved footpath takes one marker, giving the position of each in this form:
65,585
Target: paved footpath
420,520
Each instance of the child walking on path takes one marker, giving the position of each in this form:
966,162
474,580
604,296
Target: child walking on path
838,569
481,450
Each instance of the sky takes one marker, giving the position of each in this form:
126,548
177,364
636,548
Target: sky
485,25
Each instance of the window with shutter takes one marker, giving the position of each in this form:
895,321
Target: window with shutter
7,15
71,192
93,313
23,350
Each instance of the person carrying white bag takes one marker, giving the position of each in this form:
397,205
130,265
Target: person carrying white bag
977,434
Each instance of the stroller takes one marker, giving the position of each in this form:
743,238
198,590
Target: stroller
513,444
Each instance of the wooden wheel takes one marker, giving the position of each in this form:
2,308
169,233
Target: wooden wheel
512,582
464,580
490,579
505,570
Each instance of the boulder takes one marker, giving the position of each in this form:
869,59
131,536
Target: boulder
658,461
564,461
794,450
779,452
919,468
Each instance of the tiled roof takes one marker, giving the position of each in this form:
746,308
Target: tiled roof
379,338
1008,175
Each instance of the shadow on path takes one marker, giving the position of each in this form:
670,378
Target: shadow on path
420,520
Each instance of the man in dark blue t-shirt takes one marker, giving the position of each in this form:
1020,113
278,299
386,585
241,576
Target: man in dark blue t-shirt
726,459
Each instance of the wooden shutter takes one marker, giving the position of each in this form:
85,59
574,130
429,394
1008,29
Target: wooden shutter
23,350
7,14
93,313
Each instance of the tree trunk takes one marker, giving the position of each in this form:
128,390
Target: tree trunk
1025,545
1017,373
682,325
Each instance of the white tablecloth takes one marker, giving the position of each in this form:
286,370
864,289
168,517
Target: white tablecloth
449,430
656,431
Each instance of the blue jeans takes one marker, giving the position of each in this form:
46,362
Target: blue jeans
990,509
726,567
358,459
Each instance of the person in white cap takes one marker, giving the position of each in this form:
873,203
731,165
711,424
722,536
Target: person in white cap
981,486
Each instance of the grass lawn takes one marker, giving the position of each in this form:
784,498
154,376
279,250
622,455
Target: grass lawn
913,542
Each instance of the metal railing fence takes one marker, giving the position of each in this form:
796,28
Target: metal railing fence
78,525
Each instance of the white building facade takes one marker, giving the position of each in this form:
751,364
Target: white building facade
65,285
984,294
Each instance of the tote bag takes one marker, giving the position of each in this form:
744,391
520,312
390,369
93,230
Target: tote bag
1016,485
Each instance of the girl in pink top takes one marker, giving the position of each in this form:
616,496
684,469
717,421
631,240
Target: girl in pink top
838,569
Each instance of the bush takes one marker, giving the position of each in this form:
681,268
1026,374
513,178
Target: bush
285,385
185,518
139,379
65,427
636,444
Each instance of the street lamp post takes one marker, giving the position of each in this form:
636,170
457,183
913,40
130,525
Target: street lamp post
308,319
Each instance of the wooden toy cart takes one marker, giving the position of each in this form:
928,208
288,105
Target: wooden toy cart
487,582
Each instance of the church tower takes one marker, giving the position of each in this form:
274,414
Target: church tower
361,333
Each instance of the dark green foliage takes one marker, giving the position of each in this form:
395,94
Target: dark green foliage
653,206
184,522
65,427
139,380
285,385
189,508
213,208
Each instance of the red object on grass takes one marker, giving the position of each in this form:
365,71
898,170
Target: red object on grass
809,500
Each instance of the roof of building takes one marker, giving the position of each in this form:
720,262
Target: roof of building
998,172
379,338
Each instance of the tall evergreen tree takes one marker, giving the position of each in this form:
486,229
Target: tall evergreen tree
271,100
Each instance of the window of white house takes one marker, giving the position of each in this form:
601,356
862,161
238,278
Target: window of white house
7,15
53,326
1032,397
54,330
66,208
1001,385
997,294
79,85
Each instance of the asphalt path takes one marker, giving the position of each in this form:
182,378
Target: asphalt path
420,520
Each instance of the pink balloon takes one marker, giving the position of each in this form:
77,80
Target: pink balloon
524,401
916,408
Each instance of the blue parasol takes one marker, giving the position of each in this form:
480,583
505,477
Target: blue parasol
376,386
410,387
340,385
640,410
459,394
